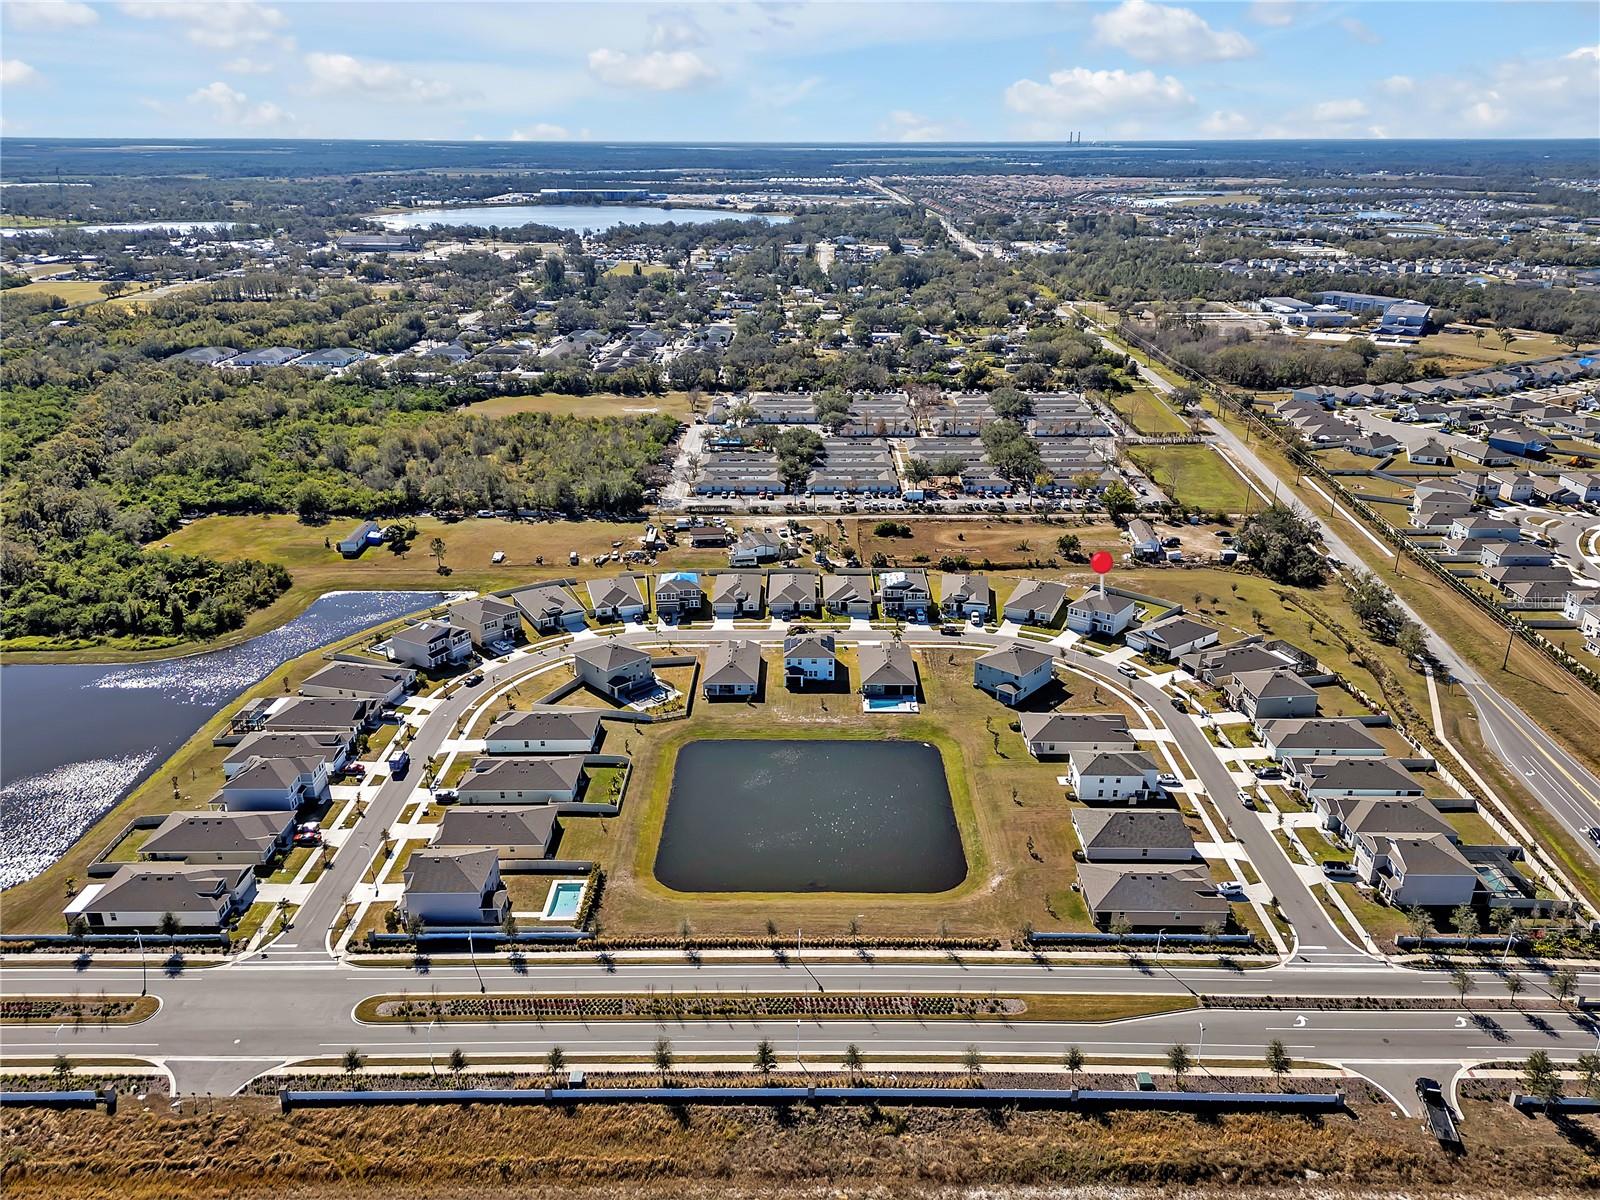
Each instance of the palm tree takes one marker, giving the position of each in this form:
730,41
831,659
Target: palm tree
168,924
62,1067
1178,1062
353,1061
765,1060
555,1060
662,1055
458,1061
1278,1061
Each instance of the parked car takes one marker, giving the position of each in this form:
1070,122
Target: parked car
1168,780
1231,888
474,679
1128,671
399,764
950,630
1269,772
1246,799
1337,867
308,837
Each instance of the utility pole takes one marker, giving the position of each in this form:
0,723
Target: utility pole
1506,661
144,966
473,955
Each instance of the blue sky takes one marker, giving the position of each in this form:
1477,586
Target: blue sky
777,70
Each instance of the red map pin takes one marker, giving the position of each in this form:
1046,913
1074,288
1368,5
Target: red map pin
1101,562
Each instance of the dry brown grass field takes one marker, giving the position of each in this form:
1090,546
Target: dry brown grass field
244,1148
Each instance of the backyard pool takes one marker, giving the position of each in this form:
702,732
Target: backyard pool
562,902
810,816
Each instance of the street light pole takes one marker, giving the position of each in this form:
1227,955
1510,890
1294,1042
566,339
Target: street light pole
1201,1052
473,955
144,966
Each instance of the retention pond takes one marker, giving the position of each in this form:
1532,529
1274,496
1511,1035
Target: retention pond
810,816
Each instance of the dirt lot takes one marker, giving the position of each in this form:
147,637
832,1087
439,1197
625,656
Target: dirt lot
244,1148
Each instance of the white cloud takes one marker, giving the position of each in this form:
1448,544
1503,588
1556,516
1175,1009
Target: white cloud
1338,110
1226,121
233,107
346,74
1156,33
541,131
1275,13
216,24
245,65
50,14
783,95
1551,97
1360,32
1079,92
906,126
656,71
16,73
1398,85
676,30
1592,53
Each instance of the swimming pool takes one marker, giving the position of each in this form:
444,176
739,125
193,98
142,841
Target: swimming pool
562,902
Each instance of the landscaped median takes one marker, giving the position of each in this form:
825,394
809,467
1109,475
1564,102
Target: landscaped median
76,1010
468,1008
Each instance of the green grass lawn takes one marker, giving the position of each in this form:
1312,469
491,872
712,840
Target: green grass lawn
1147,412
1193,475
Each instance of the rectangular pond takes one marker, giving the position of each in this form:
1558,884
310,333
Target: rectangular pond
810,816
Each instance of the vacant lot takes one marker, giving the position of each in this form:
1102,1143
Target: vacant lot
599,405
73,291
1464,352
1147,412
1193,475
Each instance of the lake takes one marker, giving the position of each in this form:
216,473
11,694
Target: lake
579,218
78,738
810,816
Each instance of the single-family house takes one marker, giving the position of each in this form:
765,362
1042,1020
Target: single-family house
809,658
1133,835
454,887
848,595
1171,637
964,595
732,669
1322,779
614,670
557,780
1430,453
142,896
275,785
245,839
1012,673
429,645
1513,487
737,594
1583,485
304,714
1350,817
754,547
679,595
792,594
1516,554
384,683
1476,528
544,729
905,595
1095,615
1417,872
1183,898
1111,774
332,746
1271,694
1319,737
1142,538
493,622
525,834
617,599
888,670
1055,735
551,607
1035,602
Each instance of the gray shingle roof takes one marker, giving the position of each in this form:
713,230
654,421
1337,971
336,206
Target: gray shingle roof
547,723
460,872
733,663
1131,829
1140,890
1016,659
888,664
216,832
1076,727
167,889
370,679
476,827
556,774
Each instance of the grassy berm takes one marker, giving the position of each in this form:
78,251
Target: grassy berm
245,1148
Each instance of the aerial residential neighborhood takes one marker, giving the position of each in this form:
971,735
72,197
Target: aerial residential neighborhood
732,600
